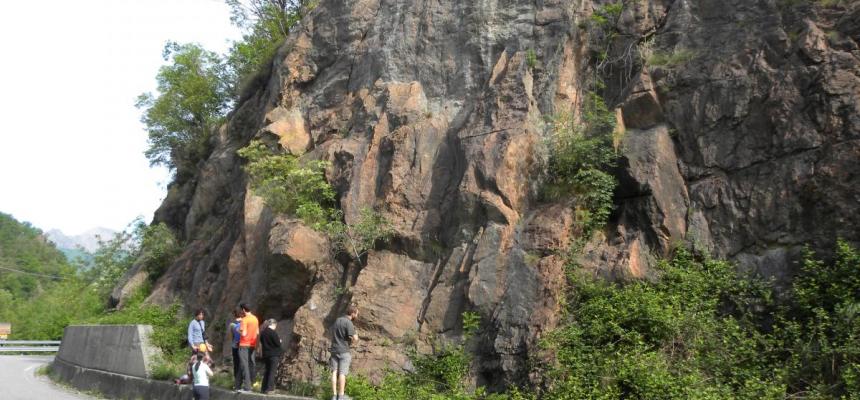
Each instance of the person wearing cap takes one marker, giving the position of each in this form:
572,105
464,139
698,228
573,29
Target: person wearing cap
272,351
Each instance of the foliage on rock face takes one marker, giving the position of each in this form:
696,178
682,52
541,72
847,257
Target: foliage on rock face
158,249
358,237
299,188
192,98
581,156
704,331
288,185
265,25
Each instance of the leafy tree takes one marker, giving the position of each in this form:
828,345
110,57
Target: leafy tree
158,249
192,98
113,258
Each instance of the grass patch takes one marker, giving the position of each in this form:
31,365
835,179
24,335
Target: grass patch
44,370
670,59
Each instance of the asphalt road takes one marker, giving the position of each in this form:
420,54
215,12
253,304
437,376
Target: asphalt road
18,380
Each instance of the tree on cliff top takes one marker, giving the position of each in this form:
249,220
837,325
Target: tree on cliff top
192,98
265,25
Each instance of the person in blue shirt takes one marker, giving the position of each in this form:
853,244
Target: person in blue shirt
233,328
197,333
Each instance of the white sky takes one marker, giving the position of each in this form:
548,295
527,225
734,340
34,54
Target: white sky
71,142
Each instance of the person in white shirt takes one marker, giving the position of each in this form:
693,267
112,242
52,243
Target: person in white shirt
201,372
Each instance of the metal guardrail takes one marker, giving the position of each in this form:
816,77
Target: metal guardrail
29,346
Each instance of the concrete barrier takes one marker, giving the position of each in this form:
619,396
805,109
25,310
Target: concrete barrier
116,361
118,386
120,349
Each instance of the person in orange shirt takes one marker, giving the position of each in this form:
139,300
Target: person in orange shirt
249,329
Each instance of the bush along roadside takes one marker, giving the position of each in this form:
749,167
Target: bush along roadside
704,330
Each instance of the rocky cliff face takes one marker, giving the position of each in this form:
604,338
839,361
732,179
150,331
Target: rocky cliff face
745,142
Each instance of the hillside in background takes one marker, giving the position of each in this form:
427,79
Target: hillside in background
28,261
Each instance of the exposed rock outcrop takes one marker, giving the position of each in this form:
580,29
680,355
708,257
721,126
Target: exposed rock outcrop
432,113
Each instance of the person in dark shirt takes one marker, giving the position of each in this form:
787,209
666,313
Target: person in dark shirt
233,328
343,334
272,351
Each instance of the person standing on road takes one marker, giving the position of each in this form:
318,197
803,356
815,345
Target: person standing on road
343,334
272,350
197,333
201,372
233,328
249,329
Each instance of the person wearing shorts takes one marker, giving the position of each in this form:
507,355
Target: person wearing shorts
343,334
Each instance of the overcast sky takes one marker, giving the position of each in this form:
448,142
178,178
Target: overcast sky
71,142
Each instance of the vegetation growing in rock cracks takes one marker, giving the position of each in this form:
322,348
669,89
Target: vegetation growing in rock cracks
581,155
292,186
265,24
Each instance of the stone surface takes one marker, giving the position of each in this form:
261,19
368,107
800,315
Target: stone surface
431,113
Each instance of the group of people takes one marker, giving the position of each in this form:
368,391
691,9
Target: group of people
246,335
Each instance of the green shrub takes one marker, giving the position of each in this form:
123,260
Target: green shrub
158,249
531,58
706,331
289,186
44,316
581,154
168,326
607,14
168,370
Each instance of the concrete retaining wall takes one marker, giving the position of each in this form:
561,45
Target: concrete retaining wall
118,386
121,349
115,360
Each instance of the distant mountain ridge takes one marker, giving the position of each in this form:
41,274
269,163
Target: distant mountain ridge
89,240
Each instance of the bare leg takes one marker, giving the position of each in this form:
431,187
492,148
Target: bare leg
334,382
341,384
